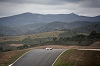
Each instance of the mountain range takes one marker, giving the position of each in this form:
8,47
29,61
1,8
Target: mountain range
31,18
29,23
79,26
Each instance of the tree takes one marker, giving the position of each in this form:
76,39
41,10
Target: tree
55,38
1,49
79,37
25,46
93,35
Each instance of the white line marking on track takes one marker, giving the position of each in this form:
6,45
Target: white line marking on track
58,57
19,58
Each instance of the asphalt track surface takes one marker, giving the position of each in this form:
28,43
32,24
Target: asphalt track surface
39,57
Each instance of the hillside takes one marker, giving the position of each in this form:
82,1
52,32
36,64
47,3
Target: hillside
7,31
29,23
32,36
20,19
89,28
52,26
30,18
29,27
18,30
78,26
79,58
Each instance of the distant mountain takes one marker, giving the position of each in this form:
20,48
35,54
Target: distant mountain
31,18
7,31
50,27
28,23
60,25
20,19
28,27
18,30
78,26
89,28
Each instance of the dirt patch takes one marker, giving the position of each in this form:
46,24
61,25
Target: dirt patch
96,44
16,45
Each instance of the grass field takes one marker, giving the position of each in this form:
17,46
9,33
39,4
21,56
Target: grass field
32,36
79,58
7,58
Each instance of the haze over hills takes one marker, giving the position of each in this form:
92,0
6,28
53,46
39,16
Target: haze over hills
4,31
89,28
31,18
29,23
79,26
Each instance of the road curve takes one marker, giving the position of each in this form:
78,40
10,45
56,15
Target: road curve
39,57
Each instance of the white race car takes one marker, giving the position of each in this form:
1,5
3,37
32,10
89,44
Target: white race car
48,48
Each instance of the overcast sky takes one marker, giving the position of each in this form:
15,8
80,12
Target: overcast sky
80,7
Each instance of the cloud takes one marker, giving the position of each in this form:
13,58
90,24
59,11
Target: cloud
81,7
82,3
90,3
45,2
37,8
73,1
86,3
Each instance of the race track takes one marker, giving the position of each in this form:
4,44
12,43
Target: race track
39,57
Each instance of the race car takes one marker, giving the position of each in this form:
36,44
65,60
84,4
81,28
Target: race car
48,48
